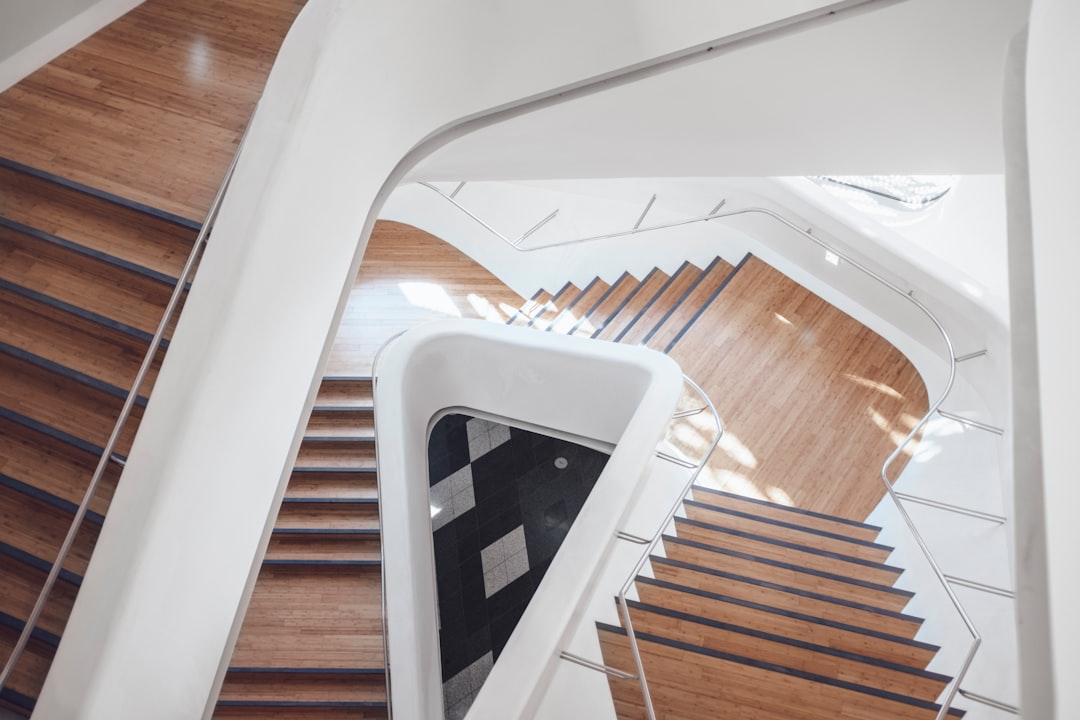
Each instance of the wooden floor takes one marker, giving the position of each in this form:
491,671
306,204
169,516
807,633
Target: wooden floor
152,107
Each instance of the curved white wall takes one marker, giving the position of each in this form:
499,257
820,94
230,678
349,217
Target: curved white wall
612,393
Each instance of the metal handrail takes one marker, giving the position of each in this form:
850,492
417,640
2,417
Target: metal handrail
108,455
935,407
989,701
624,609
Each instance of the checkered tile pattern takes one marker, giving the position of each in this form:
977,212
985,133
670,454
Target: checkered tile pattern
502,500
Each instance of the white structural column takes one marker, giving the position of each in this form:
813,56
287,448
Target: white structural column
360,91
1053,116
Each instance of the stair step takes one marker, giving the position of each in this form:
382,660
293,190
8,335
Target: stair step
785,597
313,616
125,232
20,585
530,308
344,391
679,681
784,513
328,514
843,587
680,314
551,309
69,373
108,355
575,309
328,420
280,712
594,317
62,403
758,616
99,287
29,674
786,531
633,304
330,452
309,685
804,555
52,466
324,546
337,482
665,300
38,528
786,651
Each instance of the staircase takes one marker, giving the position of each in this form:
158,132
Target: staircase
311,643
654,311
760,610
84,278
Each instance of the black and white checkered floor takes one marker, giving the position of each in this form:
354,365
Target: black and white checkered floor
502,500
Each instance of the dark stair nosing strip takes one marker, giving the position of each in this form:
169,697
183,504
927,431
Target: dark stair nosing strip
685,267
307,670
887,637
317,469
550,304
55,434
329,501
343,408
783,640
17,699
573,303
303,703
81,313
89,252
790,545
48,498
346,378
38,564
607,293
339,438
102,194
771,667
656,559
70,373
707,303
788,566
44,636
790,526
786,508
626,301
325,531
521,310
682,298
323,563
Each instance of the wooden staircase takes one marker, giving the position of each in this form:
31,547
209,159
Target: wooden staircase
311,643
760,610
84,278
654,311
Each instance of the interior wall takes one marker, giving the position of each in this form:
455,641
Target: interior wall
33,32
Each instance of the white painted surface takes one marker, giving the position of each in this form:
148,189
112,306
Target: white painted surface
911,89
33,32
347,110
612,393
1053,114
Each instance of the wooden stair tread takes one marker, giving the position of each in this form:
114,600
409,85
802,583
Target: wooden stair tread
135,236
667,298
605,306
29,674
786,651
342,420
758,616
20,585
327,514
530,308
38,528
805,555
571,312
308,685
756,589
320,483
287,546
679,674
785,513
101,288
632,305
787,531
344,391
551,309
708,282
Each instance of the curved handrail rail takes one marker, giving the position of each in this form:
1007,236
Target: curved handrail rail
108,455
934,408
